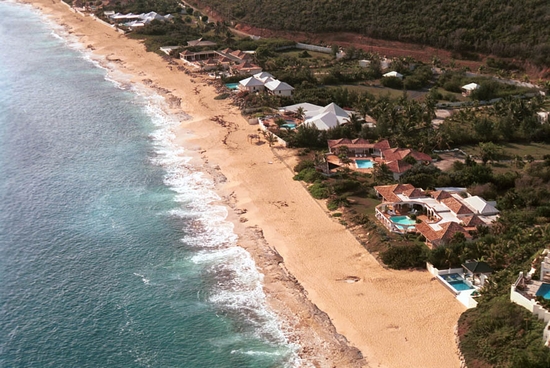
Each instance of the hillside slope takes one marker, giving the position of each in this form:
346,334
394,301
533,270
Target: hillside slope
517,29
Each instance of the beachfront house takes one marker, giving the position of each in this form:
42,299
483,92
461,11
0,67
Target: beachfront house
525,292
236,60
245,68
278,88
438,215
323,118
251,84
358,146
468,89
267,82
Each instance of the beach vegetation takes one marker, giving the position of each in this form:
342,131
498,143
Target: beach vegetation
319,190
405,256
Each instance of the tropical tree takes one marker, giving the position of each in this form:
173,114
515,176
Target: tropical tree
300,113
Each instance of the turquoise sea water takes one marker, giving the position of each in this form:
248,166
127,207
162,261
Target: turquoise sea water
113,249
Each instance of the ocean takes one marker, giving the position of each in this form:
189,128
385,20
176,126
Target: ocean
114,249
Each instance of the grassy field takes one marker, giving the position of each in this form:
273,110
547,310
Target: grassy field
511,150
379,91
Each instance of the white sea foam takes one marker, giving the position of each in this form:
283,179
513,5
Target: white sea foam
239,283
238,286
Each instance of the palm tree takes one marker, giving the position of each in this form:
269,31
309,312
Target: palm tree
300,113
271,139
229,37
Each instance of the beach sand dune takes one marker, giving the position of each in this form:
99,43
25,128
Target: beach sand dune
318,278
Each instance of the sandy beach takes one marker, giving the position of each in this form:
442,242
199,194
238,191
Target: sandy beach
384,318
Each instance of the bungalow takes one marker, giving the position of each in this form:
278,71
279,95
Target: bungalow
245,68
393,74
251,84
279,88
469,88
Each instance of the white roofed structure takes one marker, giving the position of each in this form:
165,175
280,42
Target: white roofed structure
480,206
323,121
279,88
393,74
251,84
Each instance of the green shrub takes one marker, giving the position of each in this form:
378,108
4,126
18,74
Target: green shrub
392,82
337,214
319,190
303,165
343,186
332,205
309,175
405,256
337,202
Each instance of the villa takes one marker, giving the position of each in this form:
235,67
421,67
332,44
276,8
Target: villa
380,152
464,282
323,118
138,20
237,61
264,81
438,215
525,292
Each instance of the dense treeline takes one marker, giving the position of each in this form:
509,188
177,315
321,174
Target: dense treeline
504,28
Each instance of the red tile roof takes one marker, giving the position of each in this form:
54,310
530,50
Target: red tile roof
398,166
437,237
389,192
440,194
456,206
400,153
472,221
414,193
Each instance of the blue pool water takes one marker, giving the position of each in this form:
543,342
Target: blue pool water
232,85
544,291
402,220
364,164
289,126
456,281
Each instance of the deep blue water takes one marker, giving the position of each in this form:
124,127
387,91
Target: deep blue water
113,250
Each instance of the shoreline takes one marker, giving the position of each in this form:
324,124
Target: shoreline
392,318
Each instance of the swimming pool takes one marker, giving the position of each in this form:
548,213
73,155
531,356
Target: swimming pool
289,126
364,164
232,85
544,291
456,281
402,220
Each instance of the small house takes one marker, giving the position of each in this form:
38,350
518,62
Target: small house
469,88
